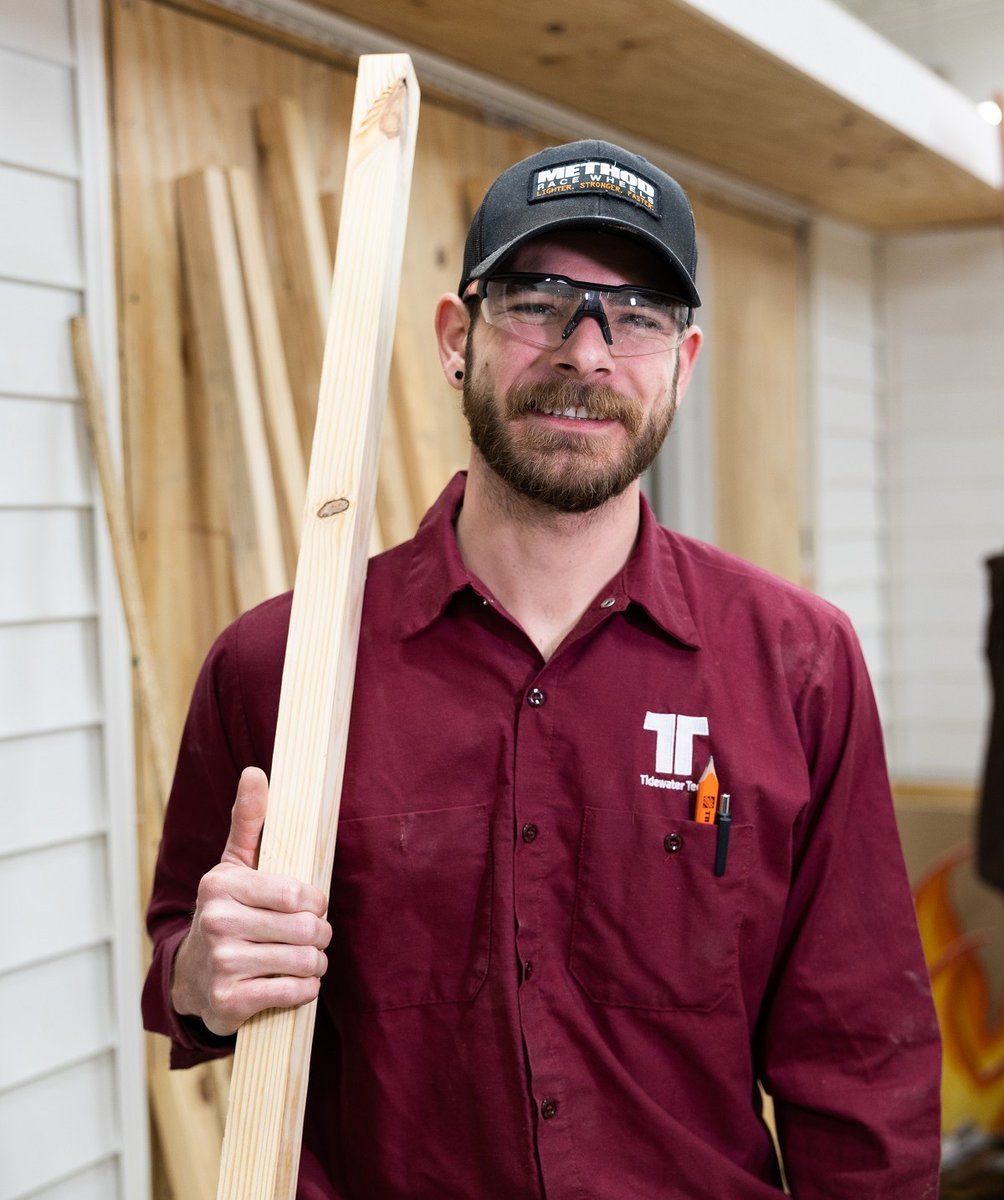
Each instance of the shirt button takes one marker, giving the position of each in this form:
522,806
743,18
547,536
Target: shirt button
529,832
535,697
527,970
608,603
672,842
548,1108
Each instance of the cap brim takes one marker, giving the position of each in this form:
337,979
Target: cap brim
682,285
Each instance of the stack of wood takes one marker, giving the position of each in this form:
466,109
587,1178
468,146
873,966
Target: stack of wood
262,390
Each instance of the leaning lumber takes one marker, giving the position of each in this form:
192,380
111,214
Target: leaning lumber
223,343
187,1105
291,181
261,1147
276,393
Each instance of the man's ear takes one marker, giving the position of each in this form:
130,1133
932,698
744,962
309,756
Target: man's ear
452,323
688,351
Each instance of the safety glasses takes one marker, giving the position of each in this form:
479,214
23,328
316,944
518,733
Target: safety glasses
544,310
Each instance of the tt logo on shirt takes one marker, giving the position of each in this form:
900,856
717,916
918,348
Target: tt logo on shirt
674,747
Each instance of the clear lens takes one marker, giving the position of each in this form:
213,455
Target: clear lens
544,310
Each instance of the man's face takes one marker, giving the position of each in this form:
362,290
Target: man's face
575,426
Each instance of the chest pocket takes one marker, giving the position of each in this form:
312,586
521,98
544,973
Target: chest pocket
411,908
654,927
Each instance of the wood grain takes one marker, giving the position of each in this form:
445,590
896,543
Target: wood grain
277,396
264,1126
666,72
230,380
299,223
755,293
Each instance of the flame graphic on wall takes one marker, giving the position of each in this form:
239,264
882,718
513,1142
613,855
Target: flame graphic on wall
972,1024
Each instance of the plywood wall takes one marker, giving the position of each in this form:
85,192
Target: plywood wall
757,384
185,90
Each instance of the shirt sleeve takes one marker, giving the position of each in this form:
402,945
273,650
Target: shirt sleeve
849,1045
214,749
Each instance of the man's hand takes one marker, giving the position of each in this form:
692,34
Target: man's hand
256,940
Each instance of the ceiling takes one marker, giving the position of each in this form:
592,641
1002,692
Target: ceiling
676,74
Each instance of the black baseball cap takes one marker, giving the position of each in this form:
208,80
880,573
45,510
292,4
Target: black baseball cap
585,185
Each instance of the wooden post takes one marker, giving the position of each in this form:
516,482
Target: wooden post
261,1147
187,1105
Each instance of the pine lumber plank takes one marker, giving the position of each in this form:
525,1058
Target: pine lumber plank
396,517
224,349
264,1125
277,395
187,1105
303,247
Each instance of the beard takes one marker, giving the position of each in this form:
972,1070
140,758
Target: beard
564,470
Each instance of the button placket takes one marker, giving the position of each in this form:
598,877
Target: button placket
539,707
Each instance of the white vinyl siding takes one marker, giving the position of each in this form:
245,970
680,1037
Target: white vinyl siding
944,295
848,478
72,1098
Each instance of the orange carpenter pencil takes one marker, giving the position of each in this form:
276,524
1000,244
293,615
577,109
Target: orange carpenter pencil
706,804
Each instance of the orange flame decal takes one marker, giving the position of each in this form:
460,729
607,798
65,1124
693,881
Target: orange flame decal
972,1086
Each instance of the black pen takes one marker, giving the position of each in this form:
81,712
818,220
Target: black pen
723,819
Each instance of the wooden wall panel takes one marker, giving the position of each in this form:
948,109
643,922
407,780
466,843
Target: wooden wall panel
185,90
755,282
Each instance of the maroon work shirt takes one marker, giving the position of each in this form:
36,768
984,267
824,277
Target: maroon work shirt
538,984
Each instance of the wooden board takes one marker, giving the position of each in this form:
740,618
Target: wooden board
289,465
215,288
264,1125
299,224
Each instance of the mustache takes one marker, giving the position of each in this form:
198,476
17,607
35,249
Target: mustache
598,400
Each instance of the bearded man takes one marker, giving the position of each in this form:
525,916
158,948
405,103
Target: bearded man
616,843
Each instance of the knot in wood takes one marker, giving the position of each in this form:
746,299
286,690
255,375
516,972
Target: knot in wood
392,110
331,508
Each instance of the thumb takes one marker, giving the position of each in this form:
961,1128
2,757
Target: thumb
247,818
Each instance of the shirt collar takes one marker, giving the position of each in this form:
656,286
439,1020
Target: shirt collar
436,572
651,579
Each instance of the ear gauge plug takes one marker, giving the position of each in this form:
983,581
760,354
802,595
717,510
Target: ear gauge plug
458,374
